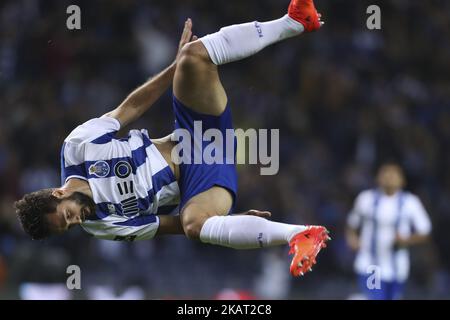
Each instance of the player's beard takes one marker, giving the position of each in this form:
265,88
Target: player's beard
85,202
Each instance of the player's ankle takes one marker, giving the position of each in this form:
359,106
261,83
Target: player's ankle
296,229
294,25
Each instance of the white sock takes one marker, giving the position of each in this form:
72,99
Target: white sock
240,41
247,232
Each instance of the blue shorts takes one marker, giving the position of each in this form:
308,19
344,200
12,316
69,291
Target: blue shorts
197,178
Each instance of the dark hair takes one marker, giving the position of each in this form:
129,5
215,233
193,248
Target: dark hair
32,210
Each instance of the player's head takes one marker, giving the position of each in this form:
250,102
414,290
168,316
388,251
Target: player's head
52,211
390,178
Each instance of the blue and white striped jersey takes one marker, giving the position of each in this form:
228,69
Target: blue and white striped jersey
381,218
130,180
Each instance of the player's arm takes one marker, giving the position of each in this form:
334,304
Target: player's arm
421,223
352,237
169,225
141,99
412,240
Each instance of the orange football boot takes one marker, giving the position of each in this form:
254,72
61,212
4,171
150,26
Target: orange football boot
305,247
305,12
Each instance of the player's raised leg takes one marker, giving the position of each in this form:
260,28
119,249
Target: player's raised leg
203,218
196,81
197,85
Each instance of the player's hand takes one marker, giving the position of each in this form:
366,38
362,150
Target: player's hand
186,36
353,240
257,213
353,243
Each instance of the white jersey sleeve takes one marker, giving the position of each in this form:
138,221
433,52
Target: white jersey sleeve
121,229
73,150
93,129
419,218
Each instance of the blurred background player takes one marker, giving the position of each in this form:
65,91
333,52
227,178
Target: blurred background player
390,221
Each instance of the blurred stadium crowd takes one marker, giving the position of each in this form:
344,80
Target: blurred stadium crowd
345,99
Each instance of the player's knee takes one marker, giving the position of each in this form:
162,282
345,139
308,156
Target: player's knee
192,230
191,54
192,220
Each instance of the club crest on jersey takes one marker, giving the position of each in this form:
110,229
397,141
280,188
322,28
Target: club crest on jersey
99,169
122,169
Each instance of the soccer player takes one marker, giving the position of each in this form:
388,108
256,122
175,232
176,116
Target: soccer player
391,220
125,189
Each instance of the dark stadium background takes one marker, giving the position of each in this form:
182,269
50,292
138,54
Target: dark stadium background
345,99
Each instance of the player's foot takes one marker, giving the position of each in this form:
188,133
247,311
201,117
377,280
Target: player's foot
305,246
305,12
